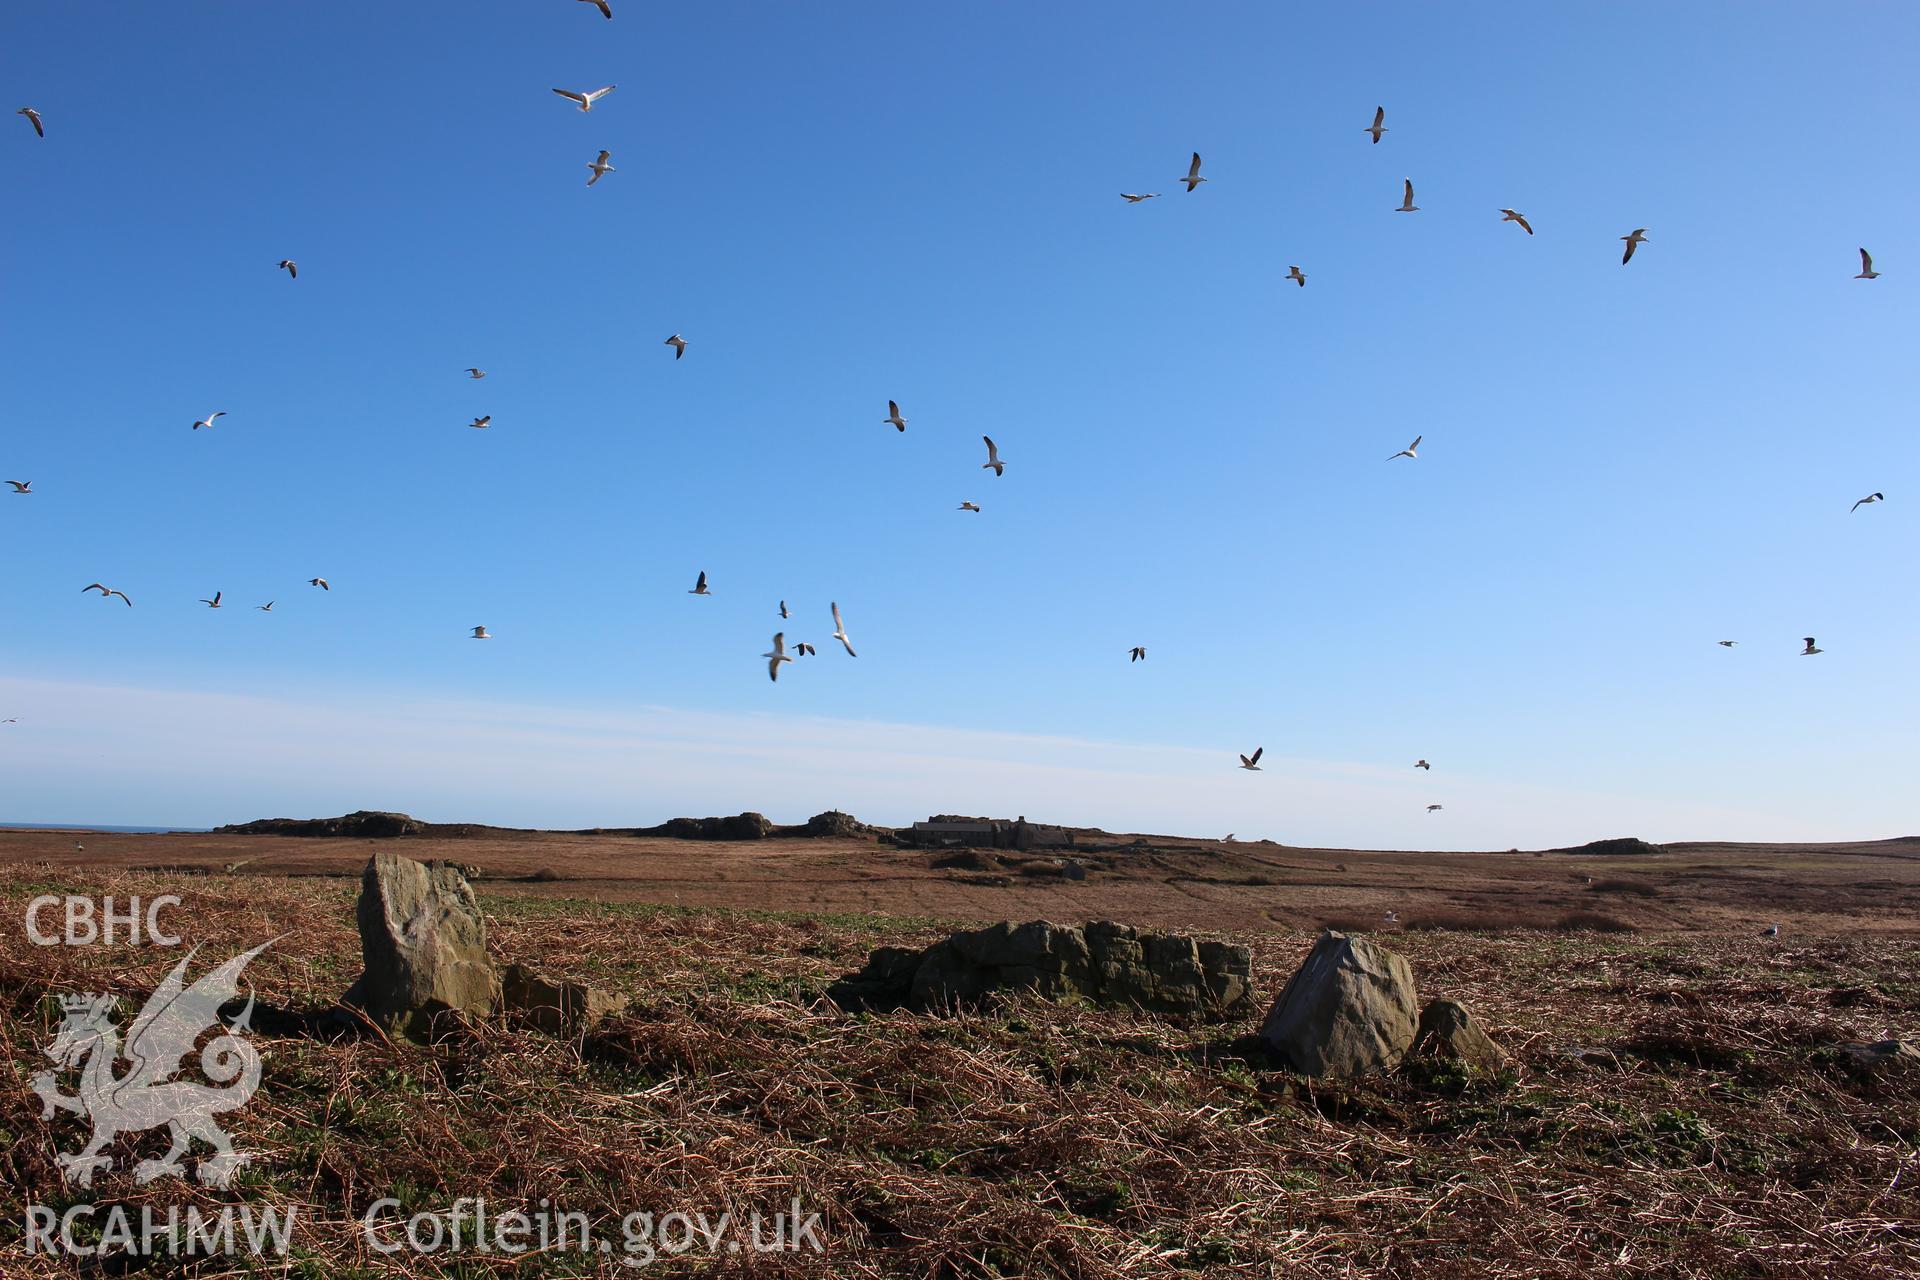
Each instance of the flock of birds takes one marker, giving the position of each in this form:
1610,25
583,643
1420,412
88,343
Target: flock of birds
599,167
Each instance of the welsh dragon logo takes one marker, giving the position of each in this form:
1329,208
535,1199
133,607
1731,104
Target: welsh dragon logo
146,1096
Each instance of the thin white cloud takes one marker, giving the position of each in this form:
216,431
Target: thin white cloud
105,754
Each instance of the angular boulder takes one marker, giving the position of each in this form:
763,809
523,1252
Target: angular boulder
1107,963
556,1006
1348,1011
1447,1030
424,946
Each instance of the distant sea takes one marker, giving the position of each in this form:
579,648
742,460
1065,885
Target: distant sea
94,826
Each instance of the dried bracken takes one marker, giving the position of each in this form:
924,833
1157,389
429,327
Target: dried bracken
1669,1113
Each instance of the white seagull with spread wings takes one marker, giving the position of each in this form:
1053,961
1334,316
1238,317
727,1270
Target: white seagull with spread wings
586,100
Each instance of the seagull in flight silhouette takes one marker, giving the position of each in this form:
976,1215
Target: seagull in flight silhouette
586,100
1508,215
600,168
1406,204
1193,178
320,583
105,592
893,417
776,655
993,462
1811,648
1253,761
1136,653
33,118
840,632
213,603
679,345
21,486
1379,125
209,420
700,587
1133,199
1411,451
1298,276
1638,238
1870,498
1866,267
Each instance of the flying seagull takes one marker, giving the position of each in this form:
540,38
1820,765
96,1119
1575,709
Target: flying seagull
1508,215
1866,267
606,10
893,417
679,345
21,486
480,633
1411,451
777,655
840,632
320,583
804,649
476,374
1193,178
586,100
291,267
1378,126
783,610
265,608
1639,237
1435,808
1872,497
1422,764
213,603
1726,644
33,118
600,168
1227,838
1811,649
483,422
993,458
1133,199
1406,204
700,587
208,421
105,592
1136,653
1253,761
1298,276
969,506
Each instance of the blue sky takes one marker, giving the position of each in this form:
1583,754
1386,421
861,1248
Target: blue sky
838,205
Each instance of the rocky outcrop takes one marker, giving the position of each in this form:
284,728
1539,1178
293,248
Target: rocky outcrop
741,826
833,823
1621,847
424,946
556,1006
1348,1011
1107,963
364,824
1447,1030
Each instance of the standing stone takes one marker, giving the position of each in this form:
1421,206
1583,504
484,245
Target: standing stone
1348,1011
424,945
1447,1030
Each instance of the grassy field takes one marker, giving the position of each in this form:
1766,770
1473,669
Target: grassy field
1668,1114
